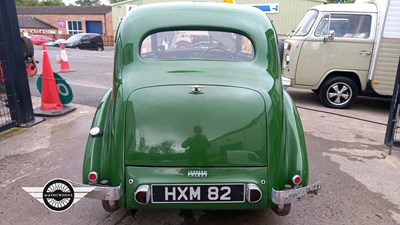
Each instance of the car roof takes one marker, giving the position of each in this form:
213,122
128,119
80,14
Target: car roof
83,34
203,15
39,35
348,7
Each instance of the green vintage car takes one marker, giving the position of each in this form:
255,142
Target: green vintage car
197,117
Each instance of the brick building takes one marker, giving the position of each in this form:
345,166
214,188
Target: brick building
32,25
69,20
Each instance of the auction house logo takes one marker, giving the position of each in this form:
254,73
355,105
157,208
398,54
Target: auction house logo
58,195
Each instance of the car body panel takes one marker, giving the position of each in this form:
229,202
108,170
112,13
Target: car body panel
56,43
178,175
40,39
252,125
203,123
90,41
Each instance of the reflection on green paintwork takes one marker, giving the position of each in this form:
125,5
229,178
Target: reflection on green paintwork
231,121
196,147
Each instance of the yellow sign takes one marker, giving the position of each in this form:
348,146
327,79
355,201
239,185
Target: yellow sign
230,1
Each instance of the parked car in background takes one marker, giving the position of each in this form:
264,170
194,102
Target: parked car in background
55,43
89,41
40,39
197,117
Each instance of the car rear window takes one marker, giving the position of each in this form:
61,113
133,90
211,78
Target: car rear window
197,45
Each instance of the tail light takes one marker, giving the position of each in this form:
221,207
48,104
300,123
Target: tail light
142,194
296,179
92,176
253,193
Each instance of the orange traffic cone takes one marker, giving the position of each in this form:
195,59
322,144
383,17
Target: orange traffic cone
50,97
64,60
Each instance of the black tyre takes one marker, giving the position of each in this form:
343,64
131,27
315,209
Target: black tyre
27,47
338,92
281,44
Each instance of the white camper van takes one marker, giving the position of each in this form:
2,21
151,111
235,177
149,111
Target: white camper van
341,51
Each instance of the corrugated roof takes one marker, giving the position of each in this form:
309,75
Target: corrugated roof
32,22
64,9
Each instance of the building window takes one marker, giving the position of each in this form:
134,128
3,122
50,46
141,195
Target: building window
74,27
42,31
33,31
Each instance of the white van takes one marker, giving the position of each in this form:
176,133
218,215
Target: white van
341,51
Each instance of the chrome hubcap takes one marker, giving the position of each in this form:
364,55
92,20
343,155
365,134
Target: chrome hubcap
339,93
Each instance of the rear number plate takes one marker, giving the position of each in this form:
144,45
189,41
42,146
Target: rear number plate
181,193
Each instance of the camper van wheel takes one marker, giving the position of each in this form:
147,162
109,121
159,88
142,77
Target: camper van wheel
338,92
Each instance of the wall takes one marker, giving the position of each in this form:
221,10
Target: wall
53,19
290,11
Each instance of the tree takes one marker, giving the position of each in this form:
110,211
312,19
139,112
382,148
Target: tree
26,2
115,1
52,3
88,2
37,3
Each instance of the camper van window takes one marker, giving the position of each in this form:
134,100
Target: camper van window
345,26
306,23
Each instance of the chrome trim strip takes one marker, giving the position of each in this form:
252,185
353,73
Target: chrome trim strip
101,192
295,195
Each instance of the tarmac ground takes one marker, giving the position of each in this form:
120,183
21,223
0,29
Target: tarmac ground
360,181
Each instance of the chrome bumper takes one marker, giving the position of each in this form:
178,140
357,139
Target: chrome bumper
101,192
295,195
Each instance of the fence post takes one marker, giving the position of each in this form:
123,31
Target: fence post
11,54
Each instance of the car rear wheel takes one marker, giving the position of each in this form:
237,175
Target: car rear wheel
338,92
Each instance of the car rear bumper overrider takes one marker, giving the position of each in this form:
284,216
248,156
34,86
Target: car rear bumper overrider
294,195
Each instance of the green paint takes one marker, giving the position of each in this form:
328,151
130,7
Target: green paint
242,128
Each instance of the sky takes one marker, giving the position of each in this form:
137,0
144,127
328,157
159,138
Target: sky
67,2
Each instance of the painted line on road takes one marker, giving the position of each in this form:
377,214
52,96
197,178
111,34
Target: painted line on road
90,86
342,115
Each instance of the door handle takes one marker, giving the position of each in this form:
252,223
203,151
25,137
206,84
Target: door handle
364,53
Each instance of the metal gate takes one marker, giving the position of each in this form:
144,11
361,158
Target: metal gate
6,120
15,97
392,137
